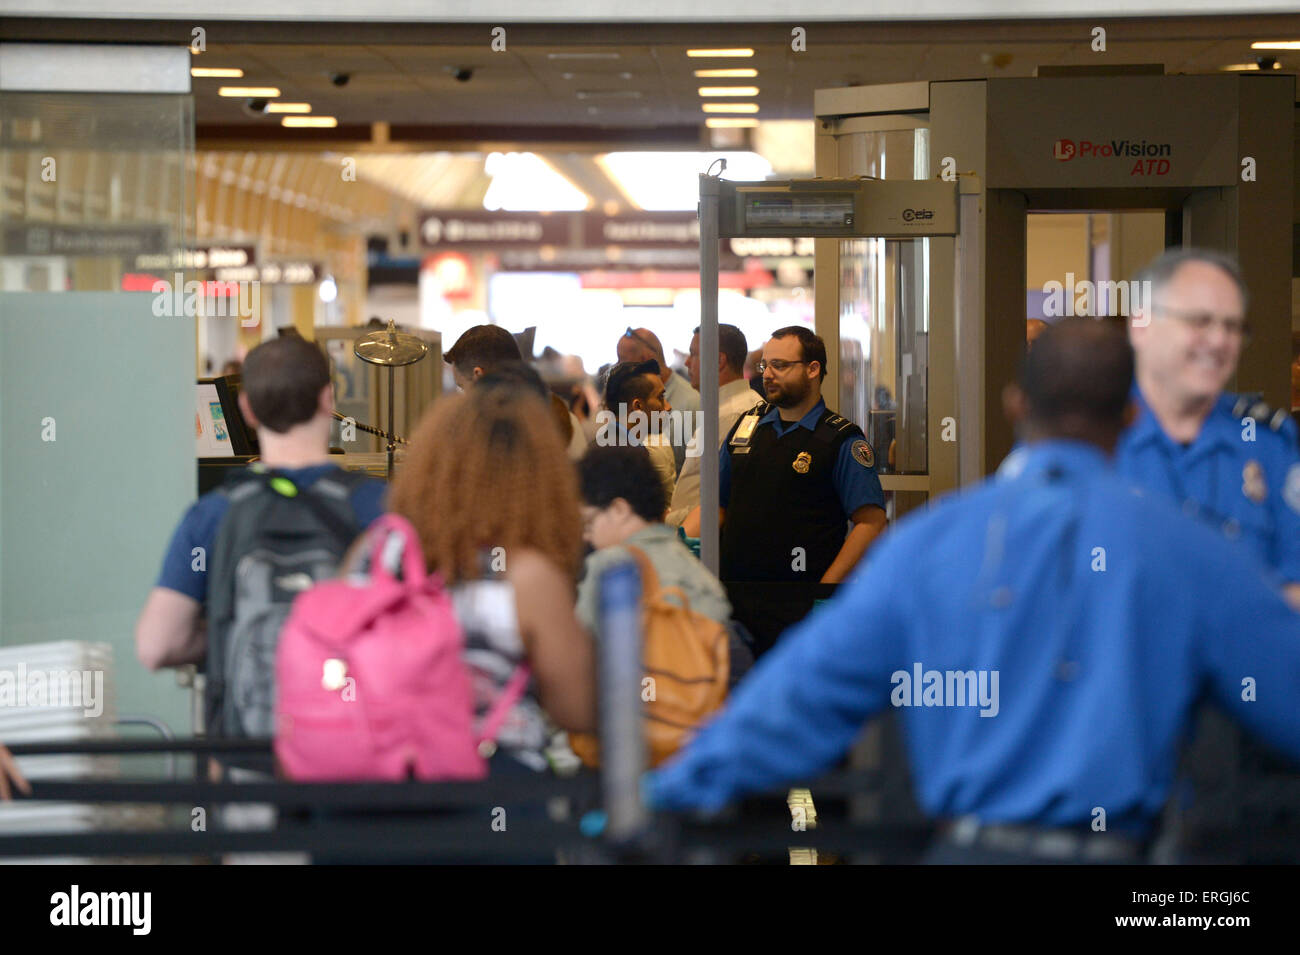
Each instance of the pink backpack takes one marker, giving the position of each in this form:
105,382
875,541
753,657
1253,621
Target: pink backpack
371,682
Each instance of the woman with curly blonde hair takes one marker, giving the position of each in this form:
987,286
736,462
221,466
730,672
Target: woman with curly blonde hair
493,497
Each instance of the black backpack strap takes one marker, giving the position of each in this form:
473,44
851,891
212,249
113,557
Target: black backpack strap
331,488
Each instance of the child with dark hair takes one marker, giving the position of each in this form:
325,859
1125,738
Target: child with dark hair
622,507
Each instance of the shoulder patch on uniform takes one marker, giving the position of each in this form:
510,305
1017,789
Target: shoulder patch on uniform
1250,406
863,454
1291,488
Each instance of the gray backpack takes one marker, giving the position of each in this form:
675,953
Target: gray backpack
275,541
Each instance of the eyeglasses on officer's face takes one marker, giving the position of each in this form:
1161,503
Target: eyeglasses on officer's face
1198,321
778,365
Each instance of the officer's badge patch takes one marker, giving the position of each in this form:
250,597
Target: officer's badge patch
1291,489
803,462
1252,482
863,454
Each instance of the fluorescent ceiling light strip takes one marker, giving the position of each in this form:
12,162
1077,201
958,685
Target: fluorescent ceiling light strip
288,107
729,107
728,90
263,92
326,122
738,74
1276,45
212,72
710,53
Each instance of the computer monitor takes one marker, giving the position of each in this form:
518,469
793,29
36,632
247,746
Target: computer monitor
219,428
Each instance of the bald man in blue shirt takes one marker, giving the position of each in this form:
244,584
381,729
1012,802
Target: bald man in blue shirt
1047,636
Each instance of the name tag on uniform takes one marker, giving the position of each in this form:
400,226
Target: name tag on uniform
744,431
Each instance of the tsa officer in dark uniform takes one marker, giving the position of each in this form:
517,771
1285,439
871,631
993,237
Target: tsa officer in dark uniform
1045,636
1228,459
800,498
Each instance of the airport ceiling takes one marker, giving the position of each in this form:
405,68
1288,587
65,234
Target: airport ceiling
615,85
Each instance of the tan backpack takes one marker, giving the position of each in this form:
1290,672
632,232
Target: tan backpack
686,655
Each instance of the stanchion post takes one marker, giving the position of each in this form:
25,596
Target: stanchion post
622,734
710,190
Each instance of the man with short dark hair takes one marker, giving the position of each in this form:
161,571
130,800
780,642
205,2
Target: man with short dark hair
735,397
1228,459
288,397
487,349
478,351
800,501
635,412
1087,619
641,344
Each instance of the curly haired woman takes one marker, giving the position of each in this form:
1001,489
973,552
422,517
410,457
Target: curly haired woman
493,497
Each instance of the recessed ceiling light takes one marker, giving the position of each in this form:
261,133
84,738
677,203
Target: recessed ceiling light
327,122
729,107
212,72
1276,45
262,92
288,107
706,53
740,74
728,90
720,123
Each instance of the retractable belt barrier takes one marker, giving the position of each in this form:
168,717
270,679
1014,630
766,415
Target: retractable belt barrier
419,821
409,820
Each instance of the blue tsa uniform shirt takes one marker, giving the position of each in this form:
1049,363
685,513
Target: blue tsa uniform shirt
1045,635
1241,474
184,572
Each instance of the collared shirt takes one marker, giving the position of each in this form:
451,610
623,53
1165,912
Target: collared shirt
1242,477
683,399
1104,616
734,399
856,485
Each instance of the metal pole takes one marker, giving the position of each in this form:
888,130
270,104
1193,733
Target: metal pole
710,190
622,735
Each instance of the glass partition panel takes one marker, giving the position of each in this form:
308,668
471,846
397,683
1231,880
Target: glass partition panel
95,190
884,330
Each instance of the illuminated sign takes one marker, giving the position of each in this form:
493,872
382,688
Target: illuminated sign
200,257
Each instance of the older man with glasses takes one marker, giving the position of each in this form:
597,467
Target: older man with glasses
1226,458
